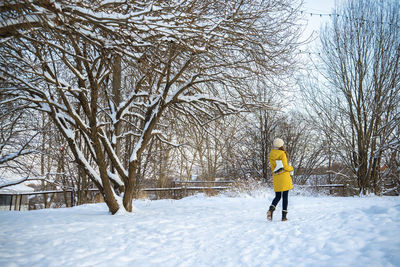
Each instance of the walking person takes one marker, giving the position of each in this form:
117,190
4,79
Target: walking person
281,180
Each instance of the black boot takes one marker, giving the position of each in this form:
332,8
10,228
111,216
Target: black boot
270,212
284,213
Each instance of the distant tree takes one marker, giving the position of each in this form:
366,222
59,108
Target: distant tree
360,58
193,58
304,145
259,127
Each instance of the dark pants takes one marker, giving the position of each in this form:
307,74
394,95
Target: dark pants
278,197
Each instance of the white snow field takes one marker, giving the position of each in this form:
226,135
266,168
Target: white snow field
208,231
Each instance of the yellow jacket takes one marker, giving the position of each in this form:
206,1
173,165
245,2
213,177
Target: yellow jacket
282,181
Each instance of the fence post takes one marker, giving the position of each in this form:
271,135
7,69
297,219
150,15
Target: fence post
20,202
11,201
346,190
72,198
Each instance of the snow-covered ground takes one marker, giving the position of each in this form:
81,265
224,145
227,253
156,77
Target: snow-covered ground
203,231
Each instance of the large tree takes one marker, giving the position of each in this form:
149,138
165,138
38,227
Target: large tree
107,73
360,63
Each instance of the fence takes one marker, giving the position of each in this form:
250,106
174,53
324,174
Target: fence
178,190
343,188
182,189
17,200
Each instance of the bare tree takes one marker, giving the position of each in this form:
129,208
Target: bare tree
258,127
304,145
360,61
192,57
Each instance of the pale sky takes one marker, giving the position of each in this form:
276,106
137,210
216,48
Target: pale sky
313,26
315,21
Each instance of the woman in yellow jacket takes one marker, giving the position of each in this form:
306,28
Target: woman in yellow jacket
280,177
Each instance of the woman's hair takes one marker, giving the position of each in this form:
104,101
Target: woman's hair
284,150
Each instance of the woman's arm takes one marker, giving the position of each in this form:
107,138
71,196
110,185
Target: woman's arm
286,166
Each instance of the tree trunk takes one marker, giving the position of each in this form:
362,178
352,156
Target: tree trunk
130,186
